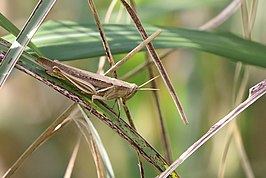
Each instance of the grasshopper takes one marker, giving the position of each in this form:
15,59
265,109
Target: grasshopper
99,86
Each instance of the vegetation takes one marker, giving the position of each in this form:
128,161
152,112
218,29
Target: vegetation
212,51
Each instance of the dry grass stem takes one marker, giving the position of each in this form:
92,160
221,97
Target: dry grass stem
253,13
222,16
245,19
102,34
228,140
101,64
109,11
106,20
133,52
142,67
243,154
157,61
248,22
255,93
234,132
72,160
165,140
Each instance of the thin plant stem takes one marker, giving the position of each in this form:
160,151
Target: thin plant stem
130,120
248,22
256,92
225,153
142,67
109,11
101,64
245,19
133,52
94,137
106,20
234,131
243,86
243,154
72,160
115,67
222,16
157,61
236,79
165,141
102,34
253,13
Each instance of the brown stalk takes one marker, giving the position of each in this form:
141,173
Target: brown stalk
166,147
133,52
148,64
165,140
112,63
142,67
157,61
106,20
133,5
102,34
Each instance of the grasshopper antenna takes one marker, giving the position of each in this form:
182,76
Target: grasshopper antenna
148,89
140,87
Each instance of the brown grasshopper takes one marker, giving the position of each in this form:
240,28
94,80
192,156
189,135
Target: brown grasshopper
99,86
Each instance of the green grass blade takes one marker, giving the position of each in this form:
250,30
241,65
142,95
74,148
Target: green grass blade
64,40
40,12
11,28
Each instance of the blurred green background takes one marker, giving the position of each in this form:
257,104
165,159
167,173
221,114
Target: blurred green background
203,81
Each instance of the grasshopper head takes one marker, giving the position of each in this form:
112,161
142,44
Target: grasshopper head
132,91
